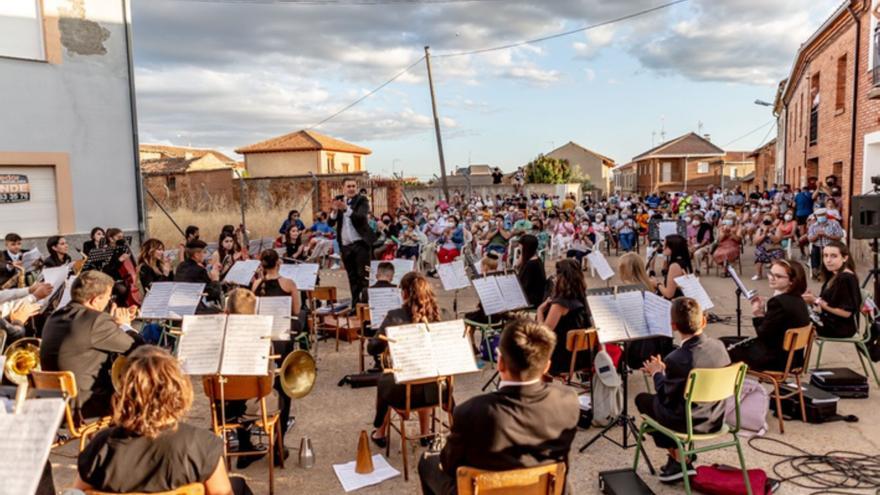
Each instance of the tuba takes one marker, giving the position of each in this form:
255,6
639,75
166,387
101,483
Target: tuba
297,374
22,357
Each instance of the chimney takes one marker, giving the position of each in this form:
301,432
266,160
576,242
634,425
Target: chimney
707,137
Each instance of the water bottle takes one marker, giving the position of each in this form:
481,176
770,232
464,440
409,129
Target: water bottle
306,453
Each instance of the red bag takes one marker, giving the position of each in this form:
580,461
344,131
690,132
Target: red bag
719,479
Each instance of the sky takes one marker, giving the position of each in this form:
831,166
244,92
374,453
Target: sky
226,73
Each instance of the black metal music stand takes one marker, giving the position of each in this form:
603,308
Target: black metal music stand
99,257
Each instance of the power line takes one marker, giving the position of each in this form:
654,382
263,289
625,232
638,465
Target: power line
748,133
564,33
371,93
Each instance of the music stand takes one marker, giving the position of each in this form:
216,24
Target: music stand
99,257
740,291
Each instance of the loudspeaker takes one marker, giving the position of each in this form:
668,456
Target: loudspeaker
866,216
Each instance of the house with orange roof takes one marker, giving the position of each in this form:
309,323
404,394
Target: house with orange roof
587,164
301,153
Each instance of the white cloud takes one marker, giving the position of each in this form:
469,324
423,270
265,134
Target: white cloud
597,39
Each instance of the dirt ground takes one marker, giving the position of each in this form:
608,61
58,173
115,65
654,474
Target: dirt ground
332,416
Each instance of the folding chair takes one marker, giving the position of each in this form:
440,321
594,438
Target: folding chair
244,388
403,414
859,341
362,312
540,480
190,489
703,385
326,318
77,427
576,341
796,339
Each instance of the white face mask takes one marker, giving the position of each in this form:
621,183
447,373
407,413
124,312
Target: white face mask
788,218
727,222
695,223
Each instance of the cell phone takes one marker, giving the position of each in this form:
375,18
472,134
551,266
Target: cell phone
338,198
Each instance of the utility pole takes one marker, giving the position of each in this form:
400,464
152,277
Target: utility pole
437,126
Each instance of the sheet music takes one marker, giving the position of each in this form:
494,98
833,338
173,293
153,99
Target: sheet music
598,261
511,292
401,268
27,438
171,254
171,300
382,301
451,348
411,353
746,293
201,344
632,310
248,340
242,272
28,258
692,287
490,295
658,314
667,228
610,327
279,309
453,275
65,298
351,480
255,246
304,275
56,277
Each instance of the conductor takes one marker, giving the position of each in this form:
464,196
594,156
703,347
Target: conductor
349,217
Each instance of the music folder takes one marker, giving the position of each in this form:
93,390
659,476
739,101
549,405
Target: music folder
691,287
382,300
401,268
630,315
279,309
499,294
430,350
27,437
225,344
242,272
171,300
304,275
453,275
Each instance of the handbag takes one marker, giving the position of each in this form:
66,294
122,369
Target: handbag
719,479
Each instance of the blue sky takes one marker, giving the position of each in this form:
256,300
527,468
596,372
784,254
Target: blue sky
223,76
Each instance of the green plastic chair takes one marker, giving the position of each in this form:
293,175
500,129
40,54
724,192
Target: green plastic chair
703,385
860,341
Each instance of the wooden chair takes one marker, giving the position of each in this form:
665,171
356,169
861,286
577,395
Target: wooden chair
77,427
362,312
576,341
244,388
703,385
326,320
404,414
796,339
859,341
539,480
190,489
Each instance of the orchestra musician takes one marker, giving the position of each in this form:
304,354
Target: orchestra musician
229,250
525,423
349,216
96,240
566,310
57,247
153,266
149,448
192,269
121,268
82,338
384,277
11,259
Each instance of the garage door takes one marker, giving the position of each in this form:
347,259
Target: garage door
37,217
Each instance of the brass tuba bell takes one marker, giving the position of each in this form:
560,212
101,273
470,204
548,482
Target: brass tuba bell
22,357
120,364
297,374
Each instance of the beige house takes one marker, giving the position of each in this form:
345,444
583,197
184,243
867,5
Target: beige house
301,153
587,164
625,178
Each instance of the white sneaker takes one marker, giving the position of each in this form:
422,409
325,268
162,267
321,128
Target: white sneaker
756,277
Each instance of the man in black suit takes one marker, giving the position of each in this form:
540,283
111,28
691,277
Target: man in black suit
82,338
525,423
349,217
670,376
192,269
11,262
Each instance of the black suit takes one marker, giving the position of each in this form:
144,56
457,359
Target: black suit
514,427
190,271
355,254
764,352
84,341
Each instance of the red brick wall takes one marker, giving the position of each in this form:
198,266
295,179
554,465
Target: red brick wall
765,167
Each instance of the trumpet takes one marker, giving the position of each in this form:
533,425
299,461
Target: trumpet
22,357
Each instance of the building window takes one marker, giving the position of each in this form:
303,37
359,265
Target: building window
702,167
734,173
331,163
667,172
357,163
814,109
171,183
21,22
840,90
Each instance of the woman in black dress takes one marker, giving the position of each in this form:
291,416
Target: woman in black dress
566,310
840,298
419,304
57,247
678,263
785,310
531,271
153,266
294,247
148,448
96,240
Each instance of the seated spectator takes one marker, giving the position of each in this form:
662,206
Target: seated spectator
729,241
411,239
821,233
292,220
149,448
525,423
625,227
703,240
768,245
670,376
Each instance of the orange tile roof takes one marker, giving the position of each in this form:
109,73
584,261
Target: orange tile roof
306,140
181,151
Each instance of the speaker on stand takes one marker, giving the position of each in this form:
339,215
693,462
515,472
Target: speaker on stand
865,224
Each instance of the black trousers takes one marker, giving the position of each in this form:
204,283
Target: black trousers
356,259
645,405
434,480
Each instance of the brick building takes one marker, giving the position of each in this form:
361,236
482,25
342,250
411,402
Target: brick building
186,177
828,108
678,164
764,174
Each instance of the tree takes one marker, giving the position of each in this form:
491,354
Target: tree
547,170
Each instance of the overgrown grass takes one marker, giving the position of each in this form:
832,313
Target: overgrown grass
261,222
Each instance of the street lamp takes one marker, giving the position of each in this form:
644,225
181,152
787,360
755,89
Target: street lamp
763,103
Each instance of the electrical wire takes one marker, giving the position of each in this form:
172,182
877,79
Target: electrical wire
836,471
748,133
564,33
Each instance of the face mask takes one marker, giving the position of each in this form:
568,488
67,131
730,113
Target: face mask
695,223
624,216
788,218
687,219
821,219
727,222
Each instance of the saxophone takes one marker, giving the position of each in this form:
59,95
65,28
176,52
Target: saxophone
17,281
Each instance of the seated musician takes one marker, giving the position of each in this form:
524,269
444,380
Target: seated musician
113,267
153,266
96,240
149,448
419,304
243,302
11,260
488,266
670,378
525,423
57,247
192,269
785,310
566,310
82,338
376,346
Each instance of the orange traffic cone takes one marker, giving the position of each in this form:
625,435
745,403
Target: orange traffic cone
364,464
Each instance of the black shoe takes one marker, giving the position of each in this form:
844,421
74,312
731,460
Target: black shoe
380,442
426,441
246,460
277,457
671,472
